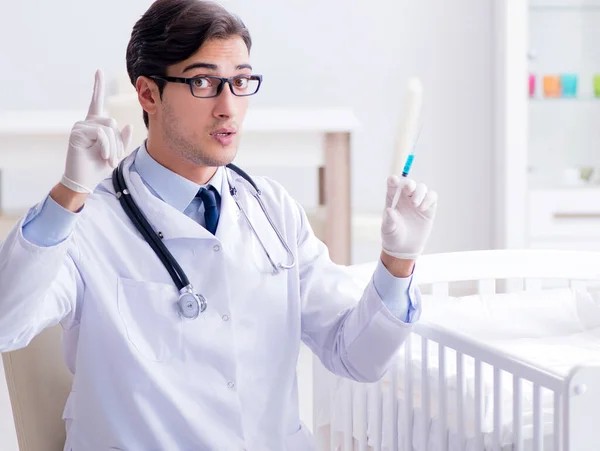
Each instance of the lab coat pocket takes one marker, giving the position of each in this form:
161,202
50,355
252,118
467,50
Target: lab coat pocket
152,322
301,440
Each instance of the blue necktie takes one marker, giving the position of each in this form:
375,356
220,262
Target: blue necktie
211,209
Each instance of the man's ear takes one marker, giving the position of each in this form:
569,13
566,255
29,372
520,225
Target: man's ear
148,94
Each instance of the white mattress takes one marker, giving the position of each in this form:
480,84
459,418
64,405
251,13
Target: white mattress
554,329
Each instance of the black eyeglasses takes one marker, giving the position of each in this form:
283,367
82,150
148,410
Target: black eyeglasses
207,86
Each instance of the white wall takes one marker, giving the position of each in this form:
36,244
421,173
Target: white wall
333,52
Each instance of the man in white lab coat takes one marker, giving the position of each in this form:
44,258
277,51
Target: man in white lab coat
146,377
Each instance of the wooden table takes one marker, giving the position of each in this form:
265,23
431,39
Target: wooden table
318,138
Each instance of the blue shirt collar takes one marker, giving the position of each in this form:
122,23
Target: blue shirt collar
172,188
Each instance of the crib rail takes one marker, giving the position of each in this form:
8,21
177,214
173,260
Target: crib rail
489,354
374,423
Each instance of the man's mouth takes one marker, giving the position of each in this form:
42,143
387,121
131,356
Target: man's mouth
224,132
224,136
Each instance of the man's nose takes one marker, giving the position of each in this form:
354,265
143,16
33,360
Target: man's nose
225,103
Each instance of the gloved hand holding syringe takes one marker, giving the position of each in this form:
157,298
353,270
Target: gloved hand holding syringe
410,206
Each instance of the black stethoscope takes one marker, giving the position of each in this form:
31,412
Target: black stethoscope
190,303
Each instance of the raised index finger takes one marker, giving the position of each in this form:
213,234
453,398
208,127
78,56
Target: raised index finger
97,103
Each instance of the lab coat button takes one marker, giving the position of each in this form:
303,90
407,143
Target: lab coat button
231,385
216,248
225,318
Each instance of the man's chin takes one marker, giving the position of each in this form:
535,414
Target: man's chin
224,156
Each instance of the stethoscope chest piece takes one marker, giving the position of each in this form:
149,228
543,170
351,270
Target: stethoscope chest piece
191,304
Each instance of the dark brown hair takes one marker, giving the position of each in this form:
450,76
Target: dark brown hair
171,31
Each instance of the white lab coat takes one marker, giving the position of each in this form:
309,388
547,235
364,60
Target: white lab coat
146,379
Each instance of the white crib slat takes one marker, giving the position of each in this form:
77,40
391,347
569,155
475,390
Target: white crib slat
333,435
408,384
459,399
497,408
512,285
517,413
577,284
533,284
537,418
362,414
486,286
374,424
347,430
390,416
425,395
478,406
439,289
443,410
400,430
557,422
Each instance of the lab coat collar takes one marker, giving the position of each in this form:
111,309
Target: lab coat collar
169,186
168,219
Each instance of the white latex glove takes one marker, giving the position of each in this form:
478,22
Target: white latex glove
95,146
405,228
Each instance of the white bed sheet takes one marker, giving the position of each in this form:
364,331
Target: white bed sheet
555,329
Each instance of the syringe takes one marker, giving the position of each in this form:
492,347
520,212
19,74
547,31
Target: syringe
411,156
409,132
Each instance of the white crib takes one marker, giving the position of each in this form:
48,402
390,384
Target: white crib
476,393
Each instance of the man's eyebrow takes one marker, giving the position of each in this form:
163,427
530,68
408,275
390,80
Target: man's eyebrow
201,66
213,66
